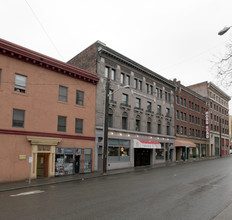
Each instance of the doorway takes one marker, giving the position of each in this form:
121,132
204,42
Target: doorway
77,164
142,157
42,164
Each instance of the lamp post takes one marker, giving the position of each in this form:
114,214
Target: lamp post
224,30
106,125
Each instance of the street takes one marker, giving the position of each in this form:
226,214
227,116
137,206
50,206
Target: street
199,190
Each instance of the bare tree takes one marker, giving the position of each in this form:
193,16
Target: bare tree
223,66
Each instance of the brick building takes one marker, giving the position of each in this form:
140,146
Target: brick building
141,118
190,129
47,114
218,117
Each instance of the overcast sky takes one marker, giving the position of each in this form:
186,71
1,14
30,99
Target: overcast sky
174,38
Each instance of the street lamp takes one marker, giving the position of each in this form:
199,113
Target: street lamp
224,30
105,143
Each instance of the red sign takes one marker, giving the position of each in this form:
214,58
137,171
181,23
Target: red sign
207,124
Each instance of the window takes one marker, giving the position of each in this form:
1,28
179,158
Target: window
138,103
127,80
79,98
107,72
124,99
181,130
168,129
151,89
159,127
135,83
159,109
110,120
147,88
167,112
149,125
20,83
161,94
185,102
177,99
63,93
182,116
111,95
185,117
18,118
61,124
113,74
140,85
137,124
79,126
124,120
149,106
122,78
157,92
167,97
177,129
177,114
181,100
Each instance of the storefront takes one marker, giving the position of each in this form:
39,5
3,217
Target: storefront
72,161
184,149
146,152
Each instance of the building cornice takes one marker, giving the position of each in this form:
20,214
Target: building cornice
23,54
117,56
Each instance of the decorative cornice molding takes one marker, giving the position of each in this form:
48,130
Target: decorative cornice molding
34,58
43,134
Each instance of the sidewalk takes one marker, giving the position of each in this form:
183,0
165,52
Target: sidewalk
77,177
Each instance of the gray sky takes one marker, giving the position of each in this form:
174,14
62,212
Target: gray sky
174,38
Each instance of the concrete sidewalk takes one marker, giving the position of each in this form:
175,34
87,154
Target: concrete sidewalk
77,177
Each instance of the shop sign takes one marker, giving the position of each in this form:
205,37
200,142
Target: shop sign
68,150
59,150
78,151
43,148
22,157
207,124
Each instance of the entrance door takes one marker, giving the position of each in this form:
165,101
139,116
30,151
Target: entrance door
77,163
142,157
42,164
100,160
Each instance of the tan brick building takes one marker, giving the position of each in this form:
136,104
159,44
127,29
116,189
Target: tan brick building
47,115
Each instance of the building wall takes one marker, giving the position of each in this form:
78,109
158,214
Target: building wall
42,107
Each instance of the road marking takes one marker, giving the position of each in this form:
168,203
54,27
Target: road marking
27,193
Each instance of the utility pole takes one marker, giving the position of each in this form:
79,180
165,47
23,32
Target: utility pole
105,151
220,137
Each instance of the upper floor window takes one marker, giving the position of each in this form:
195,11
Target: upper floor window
20,83
137,126
18,118
149,106
122,79
61,125
107,72
79,97
63,93
135,83
113,74
149,125
159,109
124,120
140,85
110,118
167,96
168,112
124,99
127,80
138,103
111,95
79,126
177,99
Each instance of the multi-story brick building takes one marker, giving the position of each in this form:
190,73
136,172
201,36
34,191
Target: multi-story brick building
47,115
190,129
141,118
217,117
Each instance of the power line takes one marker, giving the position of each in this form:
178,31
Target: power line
41,25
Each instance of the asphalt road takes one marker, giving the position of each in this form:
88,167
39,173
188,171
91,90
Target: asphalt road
197,191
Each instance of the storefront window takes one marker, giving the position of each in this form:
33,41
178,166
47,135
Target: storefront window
118,150
159,154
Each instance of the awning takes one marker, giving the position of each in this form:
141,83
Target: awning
146,144
184,143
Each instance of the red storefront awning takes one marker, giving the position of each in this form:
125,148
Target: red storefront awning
146,144
184,143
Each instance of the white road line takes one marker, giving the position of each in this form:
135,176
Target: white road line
28,193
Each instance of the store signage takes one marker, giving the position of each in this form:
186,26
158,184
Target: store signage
30,159
146,144
207,124
22,157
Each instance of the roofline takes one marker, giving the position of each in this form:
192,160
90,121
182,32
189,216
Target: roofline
29,56
132,63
